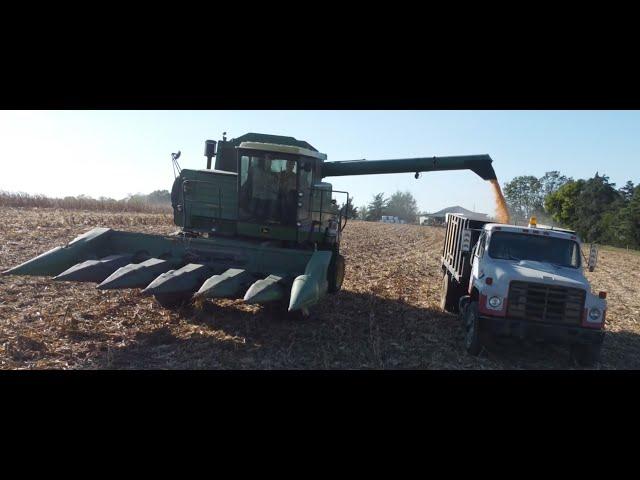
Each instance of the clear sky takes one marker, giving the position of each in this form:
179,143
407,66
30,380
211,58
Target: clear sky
114,153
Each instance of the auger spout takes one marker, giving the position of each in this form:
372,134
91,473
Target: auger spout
479,164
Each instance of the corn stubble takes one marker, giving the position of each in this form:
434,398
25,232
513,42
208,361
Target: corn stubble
386,316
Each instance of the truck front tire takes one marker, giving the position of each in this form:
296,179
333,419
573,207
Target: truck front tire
471,325
586,355
450,294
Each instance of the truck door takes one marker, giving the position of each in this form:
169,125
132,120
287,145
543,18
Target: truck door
476,259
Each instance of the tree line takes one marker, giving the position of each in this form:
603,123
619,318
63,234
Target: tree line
157,201
401,204
594,207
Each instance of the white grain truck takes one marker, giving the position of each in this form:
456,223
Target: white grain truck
524,282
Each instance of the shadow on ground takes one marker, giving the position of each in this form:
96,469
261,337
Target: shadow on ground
349,331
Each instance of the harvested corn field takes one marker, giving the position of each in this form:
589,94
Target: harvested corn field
385,317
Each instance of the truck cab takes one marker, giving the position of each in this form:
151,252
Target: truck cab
525,282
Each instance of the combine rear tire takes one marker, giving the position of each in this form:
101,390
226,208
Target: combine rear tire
336,273
450,294
585,355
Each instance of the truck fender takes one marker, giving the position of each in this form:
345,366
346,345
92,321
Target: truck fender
474,293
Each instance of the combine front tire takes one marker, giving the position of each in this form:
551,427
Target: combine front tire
336,273
450,294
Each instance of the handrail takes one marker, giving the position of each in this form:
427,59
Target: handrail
343,212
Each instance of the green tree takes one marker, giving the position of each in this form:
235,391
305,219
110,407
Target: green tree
404,206
159,197
550,182
377,207
613,228
363,212
627,191
627,222
597,197
597,211
524,196
350,211
633,218
561,204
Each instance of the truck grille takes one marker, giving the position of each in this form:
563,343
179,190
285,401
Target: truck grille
545,303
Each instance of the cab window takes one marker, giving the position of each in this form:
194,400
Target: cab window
268,189
480,245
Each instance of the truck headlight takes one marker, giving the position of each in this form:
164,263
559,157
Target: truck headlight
495,302
594,313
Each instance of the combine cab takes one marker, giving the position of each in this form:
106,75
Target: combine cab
261,225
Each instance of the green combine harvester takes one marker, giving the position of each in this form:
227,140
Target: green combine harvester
262,225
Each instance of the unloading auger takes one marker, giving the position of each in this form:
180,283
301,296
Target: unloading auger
261,226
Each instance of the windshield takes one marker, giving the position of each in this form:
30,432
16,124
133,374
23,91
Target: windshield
268,188
518,246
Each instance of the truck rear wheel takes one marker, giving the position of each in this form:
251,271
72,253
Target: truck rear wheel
586,355
449,295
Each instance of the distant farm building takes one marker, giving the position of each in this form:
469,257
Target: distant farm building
391,219
438,218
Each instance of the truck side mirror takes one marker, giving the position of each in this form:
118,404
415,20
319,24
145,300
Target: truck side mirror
466,240
593,257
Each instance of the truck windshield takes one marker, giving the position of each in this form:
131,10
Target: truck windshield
518,246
